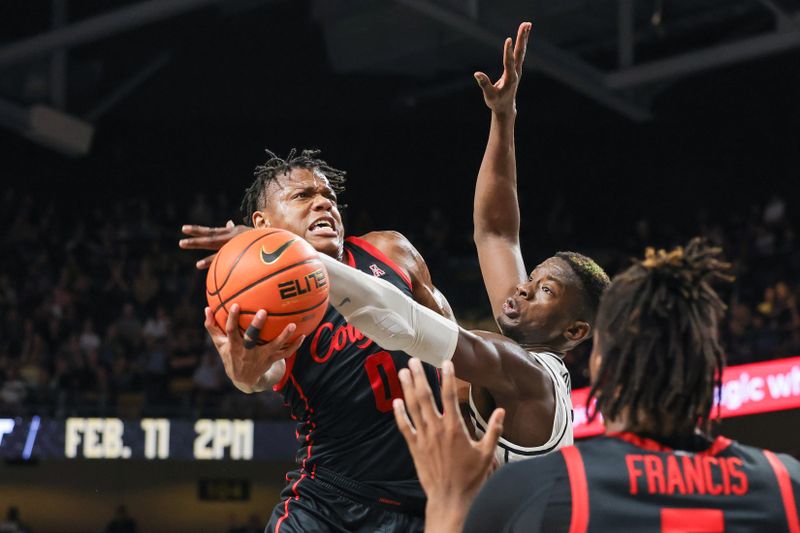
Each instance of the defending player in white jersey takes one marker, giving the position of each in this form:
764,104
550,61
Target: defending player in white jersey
541,315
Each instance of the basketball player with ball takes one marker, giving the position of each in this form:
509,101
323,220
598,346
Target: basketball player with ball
541,316
355,471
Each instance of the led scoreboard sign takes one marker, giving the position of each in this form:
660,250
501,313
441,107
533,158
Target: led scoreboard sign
148,438
750,389
746,389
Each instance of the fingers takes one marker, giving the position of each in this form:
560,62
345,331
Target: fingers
205,237
232,324
254,329
423,392
204,242
403,422
483,80
521,45
284,336
493,431
194,230
508,58
205,262
450,394
293,347
412,405
217,335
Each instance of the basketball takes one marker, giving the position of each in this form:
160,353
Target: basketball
270,269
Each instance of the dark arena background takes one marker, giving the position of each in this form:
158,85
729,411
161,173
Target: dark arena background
640,123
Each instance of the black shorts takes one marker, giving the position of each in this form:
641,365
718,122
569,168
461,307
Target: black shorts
328,502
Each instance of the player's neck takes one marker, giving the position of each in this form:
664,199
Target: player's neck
538,348
624,424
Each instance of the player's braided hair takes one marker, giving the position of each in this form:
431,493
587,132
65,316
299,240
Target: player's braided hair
657,327
255,195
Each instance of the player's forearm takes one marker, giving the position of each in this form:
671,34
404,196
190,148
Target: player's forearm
482,363
496,209
388,317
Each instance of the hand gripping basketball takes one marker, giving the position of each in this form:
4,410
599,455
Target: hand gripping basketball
251,368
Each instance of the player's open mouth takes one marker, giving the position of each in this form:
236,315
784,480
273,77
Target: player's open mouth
510,308
323,227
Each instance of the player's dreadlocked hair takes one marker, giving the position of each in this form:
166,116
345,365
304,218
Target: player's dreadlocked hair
594,280
255,195
657,325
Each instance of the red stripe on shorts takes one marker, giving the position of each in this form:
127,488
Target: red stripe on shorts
286,505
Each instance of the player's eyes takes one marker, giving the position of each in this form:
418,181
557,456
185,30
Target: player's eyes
546,289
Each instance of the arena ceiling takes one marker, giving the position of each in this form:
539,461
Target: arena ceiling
67,64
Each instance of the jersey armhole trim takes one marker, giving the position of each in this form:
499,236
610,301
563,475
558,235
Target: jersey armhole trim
579,491
349,259
785,486
286,373
380,256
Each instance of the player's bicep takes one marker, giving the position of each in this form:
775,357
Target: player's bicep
502,269
405,255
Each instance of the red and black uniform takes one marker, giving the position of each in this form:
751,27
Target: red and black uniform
628,482
355,471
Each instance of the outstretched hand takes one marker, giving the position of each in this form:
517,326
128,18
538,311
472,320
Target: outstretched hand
207,238
250,367
500,96
451,466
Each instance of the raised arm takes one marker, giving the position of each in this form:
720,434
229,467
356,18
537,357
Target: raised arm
496,210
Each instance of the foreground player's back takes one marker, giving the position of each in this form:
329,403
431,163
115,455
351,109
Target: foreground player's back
627,481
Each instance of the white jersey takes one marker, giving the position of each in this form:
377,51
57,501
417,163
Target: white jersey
561,435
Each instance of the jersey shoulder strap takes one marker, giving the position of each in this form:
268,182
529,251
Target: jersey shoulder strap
787,492
359,251
578,488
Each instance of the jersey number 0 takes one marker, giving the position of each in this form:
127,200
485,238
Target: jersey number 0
383,378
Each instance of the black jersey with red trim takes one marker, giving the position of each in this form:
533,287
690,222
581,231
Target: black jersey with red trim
340,385
625,481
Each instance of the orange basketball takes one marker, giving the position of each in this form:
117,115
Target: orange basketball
270,269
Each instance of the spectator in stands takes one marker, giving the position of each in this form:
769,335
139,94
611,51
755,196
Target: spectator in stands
111,279
12,524
121,523
129,328
89,340
13,390
209,379
145,285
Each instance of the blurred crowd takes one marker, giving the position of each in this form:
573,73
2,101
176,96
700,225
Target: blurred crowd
102,314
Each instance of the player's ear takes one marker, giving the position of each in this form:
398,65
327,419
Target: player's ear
260,220
578,331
